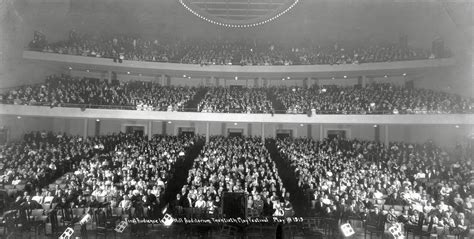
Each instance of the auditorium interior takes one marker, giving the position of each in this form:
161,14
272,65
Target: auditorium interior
236,119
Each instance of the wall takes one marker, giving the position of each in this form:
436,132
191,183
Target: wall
445,135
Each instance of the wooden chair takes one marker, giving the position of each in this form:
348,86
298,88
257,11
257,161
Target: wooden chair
102,227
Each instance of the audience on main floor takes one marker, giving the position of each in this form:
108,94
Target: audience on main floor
348,178
42,156
236,164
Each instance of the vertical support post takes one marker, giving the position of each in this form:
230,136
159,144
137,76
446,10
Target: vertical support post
149,133
163,79
207,132
86,128
263,132
321,132
109,76
386,138
163,127
310,131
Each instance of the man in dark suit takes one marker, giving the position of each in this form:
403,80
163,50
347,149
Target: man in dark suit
30,204
176,203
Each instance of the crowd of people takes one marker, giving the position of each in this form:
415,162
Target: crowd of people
235,164
223,52
376,98
353,179
371,99
123,171
235,100
42,156
66,91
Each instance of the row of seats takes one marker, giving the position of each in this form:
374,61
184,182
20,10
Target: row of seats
65,91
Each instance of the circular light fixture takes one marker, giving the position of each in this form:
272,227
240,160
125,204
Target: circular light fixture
98,120
222,16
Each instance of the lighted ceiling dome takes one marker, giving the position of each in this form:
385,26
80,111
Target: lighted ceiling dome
238,13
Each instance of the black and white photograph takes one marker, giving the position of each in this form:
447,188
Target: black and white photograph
236,119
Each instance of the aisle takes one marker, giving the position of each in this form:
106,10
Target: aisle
180,172
287,175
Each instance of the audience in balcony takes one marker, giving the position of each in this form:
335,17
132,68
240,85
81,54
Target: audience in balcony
235,100
376,98
67,91
371,99
223,52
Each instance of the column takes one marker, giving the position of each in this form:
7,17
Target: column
249,129
321,133
309,82
260,82
86,128
163,79
263,132
149,133
309,133
386,142
109,76
376,133
363,81
207,132
223,133
163,127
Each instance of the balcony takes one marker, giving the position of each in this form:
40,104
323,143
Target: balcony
295,71
124,114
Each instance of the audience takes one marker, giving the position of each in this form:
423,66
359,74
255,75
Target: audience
67,91
235,100
222,52
364,175
371,99
235,164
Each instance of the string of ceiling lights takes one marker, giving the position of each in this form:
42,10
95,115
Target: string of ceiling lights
239,25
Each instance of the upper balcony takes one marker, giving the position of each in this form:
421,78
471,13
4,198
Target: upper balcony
295,71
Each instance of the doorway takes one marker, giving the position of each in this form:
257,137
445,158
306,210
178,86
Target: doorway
135,130
188,132
235,132
284,133
339,134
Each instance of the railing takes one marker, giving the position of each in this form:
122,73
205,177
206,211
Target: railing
209,63
233,111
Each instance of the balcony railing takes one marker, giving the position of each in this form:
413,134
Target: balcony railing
233,111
